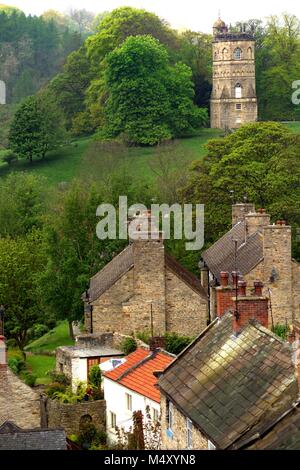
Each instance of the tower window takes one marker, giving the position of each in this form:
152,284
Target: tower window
224,53
238,90
250,52
238,53
238,106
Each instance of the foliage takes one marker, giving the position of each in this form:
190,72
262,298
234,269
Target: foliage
16,364
281,330
95,376
9,157
159,105
176,343
59,336
89,438
59,378
128,345
145,434
143,336
55,388
259,161
37,331
22,204
32,50
29,379
37,127
21,259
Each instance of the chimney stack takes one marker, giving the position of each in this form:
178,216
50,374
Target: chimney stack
239,211
256,221
248,307
224,295
157,342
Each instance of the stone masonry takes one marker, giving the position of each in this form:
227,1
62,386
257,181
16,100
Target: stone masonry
233,99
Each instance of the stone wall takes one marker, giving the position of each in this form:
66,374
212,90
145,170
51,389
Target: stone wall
68,415
18,402
186,310
296,289
179,440
277,255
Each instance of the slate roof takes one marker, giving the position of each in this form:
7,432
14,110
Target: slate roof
137,372
123,262
232,387
283,436
221,256
14,438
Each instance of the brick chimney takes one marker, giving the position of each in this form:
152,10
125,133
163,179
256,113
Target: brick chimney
224,295
239,212
157,342
248,307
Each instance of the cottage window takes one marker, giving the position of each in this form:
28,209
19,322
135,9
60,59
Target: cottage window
237,53
238,90
170,414
128,401
155,415
189,433
112,420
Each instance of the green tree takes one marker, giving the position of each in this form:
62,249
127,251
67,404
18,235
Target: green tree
259,160
149,100
37,127
21,260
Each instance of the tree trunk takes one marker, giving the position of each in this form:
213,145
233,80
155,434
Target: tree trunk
71,332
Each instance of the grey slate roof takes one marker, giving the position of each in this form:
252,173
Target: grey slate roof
123,262
232,387
221,256
14,438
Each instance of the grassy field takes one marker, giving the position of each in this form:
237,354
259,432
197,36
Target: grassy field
59,336
70,161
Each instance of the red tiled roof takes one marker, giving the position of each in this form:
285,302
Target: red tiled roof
137,372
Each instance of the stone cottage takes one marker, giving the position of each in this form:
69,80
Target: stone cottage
256,249
145,289
237,385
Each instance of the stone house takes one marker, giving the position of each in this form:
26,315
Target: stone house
233,98
145,289
14,438
89,350
131,386
237,385
257,249
18,402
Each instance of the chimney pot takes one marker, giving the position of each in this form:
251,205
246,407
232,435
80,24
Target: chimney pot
235,277
224,278
258,287
242,286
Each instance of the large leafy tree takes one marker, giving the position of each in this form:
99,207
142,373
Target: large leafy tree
37,127
259,161
149,100
21,260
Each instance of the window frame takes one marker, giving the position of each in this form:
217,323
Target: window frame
238,106
189,434
113,419
128,398
238,54
238,91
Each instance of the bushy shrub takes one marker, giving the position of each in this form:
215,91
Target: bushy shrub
128,346
16,365
29,379
95,376
54,388
144,336
175,343
11,343
37,331
59,377
9,157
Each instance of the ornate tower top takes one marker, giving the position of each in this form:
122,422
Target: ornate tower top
219,27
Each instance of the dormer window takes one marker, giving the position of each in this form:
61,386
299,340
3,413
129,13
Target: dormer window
238,54
238,91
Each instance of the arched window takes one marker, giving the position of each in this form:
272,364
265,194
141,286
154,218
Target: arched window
238,53
216,56
238,90
224,53
250,52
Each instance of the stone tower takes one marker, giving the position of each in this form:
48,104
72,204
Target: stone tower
233,99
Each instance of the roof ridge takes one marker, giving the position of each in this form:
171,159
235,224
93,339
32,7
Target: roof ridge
138,364
185,275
